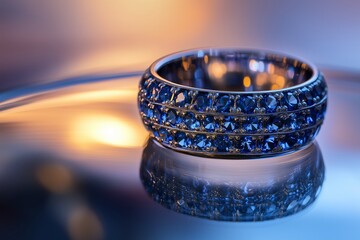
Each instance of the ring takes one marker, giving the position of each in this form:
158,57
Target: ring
226,190
232,102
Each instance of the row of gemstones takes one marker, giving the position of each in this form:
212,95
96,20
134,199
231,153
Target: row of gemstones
159,92
235,144
283,122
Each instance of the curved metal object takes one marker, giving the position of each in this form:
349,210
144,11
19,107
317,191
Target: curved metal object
232,102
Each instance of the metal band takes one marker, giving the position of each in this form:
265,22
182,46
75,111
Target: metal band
232,102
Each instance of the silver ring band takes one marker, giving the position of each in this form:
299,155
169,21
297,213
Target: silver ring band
232,102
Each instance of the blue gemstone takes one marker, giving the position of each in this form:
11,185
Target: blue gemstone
224,103
323,88
308,134
291,100
247,104
165,136
202,142
252,124
269,103
288,142
306,96
171,118
291,122
269,144
246,144
182,98
182,140
274,124
318,90
209,124
222,143
229,124
321,112
157,114
151,90
311,119
191,122
302,139
164,94
300,120
147,111
202,102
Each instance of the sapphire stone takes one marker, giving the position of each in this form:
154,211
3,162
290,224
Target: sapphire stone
269,144
274,124
157,114
151,90
306,96
300,120
311,119
171,117
288,142
191,122
165,135
222,143
318,90
246,144
302,139
182,140
291,100
247,104
291,122
202,102
165,94
229,124
147,111
202,142
252,124
269,103
209,124
223,104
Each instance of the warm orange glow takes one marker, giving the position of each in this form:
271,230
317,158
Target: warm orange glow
261,79
277,82
107,130
217,70
270,68
275,87
186,62
206,59
247,81
280,81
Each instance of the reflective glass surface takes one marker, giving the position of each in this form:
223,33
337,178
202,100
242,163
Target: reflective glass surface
77,163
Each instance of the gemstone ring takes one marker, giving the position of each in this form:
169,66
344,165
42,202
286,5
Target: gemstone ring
232,102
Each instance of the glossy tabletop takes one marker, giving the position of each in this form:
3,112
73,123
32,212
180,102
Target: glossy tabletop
72,154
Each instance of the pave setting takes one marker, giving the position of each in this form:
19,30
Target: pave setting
211,122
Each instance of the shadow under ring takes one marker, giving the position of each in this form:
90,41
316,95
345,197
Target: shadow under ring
230,102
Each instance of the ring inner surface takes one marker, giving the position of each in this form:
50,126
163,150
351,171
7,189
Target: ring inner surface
235,71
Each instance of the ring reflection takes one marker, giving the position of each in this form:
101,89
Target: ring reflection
232,190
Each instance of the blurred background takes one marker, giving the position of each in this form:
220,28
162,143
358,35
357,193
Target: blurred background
48,40
70,156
